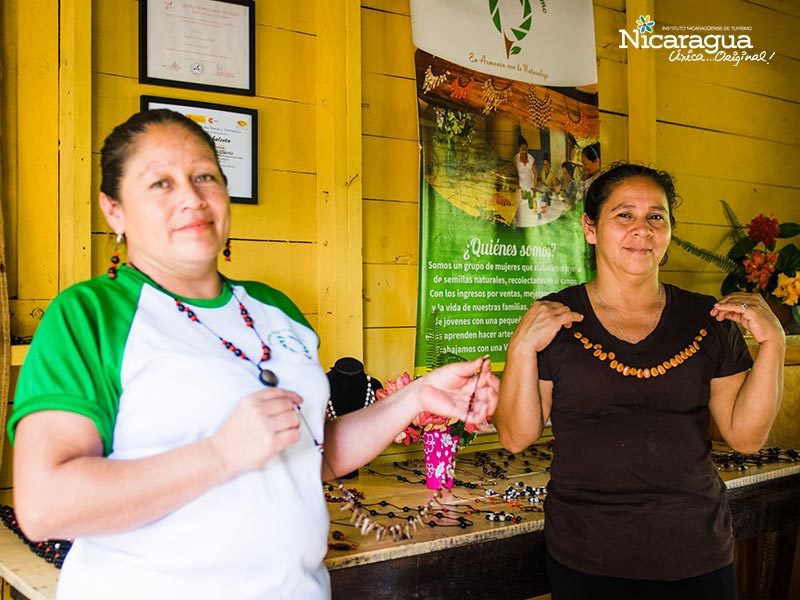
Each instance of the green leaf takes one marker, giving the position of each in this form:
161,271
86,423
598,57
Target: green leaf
495,15
718,260
789,230
788,260
526,8
740,248
515,50
731,283
737,231
526,25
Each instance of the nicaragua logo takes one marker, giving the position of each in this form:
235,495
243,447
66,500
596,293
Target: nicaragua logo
514,30
694,47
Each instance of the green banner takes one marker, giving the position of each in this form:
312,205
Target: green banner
501,201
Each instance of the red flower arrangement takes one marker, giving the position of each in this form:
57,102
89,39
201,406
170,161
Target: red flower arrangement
426,421
764,229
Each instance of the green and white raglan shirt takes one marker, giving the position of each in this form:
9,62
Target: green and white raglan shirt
120,353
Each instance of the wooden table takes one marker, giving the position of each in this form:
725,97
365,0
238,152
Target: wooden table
486,560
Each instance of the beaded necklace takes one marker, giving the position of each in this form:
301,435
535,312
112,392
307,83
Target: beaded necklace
369,400
614,318
359,516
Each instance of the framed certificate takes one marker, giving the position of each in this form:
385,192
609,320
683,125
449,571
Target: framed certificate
198,44
235,133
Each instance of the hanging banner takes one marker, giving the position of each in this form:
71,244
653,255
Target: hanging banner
508,115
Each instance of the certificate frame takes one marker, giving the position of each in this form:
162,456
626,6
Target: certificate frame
198,45
234,131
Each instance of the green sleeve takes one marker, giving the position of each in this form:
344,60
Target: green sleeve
74,361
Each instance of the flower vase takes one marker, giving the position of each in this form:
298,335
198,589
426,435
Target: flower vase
440,456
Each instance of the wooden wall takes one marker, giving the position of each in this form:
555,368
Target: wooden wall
338,211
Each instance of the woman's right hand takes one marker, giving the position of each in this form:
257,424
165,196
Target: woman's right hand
540,324
260,427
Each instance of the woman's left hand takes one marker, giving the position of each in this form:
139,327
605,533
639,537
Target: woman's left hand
752,312
464,390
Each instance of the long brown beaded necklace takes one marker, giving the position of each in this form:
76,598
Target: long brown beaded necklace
603,355
360,517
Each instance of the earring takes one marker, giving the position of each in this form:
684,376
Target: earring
227,251
112,270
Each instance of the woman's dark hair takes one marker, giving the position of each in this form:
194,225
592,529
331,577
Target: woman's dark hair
115,151
569,167
620,172
521,140
591,152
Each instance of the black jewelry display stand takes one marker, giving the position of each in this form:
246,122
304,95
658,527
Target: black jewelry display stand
349,385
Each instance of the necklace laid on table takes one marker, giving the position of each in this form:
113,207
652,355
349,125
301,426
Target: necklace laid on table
369,400
618,324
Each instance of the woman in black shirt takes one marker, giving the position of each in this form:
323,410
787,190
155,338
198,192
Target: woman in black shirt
630,370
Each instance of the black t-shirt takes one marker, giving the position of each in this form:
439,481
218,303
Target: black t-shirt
633,492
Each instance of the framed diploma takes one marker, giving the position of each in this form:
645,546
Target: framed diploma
198,44
235,133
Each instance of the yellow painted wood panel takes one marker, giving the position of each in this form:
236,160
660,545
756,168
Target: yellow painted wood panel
285,65
37,142
703,282
725,156
777,79
391,169
25,315
391,232
284,48
389,107
701,196
286,208
711,237
390,295
769,32
789,7
700,104
115,37
612,86
387,47
607,22
286,136
400,7
9,180
389,351
299,15
285,266
613,138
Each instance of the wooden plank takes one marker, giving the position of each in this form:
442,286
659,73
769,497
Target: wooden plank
694,151
286,209
613,138
641,75
711,237
392,232
286,64
400,7
701,195
389,107
286,129
607,23
775,80
25,571
339,179
789,7
26,314
115,37
391,169
389,351
390,295
702,282
9,176
37,135
612,86
386,43
770,30
75,123
709,106
300,15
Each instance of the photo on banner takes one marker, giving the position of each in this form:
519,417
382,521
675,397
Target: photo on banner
508,112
